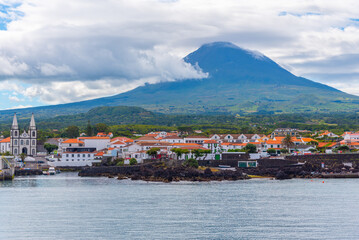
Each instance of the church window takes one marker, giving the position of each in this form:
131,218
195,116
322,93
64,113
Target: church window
22,142
27,142
33,142
15,142
33,134
33,151
15,133
15,151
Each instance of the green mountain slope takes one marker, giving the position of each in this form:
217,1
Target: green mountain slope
240,81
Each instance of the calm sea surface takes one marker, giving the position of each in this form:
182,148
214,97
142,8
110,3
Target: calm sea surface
69,207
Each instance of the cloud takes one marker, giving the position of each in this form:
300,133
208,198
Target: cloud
63,51
14,98
19,106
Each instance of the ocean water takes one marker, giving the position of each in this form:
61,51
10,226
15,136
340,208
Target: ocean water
66,206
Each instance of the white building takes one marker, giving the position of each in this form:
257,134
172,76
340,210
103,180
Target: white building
96,142
76,158
195,139
5,145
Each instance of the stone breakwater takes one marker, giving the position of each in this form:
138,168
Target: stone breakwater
161,173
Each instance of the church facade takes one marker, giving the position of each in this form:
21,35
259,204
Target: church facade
23,142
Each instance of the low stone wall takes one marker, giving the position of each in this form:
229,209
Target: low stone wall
27,172
326,158
271,162
216,163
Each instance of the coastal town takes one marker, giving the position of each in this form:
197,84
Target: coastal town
231,150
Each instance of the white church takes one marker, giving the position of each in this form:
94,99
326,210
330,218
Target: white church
24,142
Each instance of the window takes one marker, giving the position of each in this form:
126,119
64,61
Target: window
83,155
15,142
88,155
67,155
15,151
27,142
33,133
15,133
72,155
22,142
33,142
33,151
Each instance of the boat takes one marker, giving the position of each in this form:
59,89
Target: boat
52,171
44,172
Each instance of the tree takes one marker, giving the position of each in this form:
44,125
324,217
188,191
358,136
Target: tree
191,162
22,156
197,153
101,127
343,148
50,147
179,152
250,148
283,150
153,152
133,161
206,152
271,151
287,141
89,129
72,131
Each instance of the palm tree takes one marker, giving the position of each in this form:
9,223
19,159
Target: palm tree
287,141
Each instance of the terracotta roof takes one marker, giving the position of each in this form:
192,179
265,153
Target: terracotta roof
326,144
5,140
210,141
118,142
74,140
308,140
146,138
95,138
271,141
123,139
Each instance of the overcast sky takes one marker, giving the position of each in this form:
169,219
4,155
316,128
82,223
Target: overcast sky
56,51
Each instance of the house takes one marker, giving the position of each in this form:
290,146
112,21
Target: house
96,142
172,139
5,145
146,139
327,134
232,146
273,143
195,139
71,143
351,137
102,134
76,157
282,132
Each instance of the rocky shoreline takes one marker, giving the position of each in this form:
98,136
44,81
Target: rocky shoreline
160,172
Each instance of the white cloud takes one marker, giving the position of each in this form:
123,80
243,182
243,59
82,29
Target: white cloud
74,50
20,106
14,98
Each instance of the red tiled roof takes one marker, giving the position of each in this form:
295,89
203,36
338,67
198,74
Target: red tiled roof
74,140
5,140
